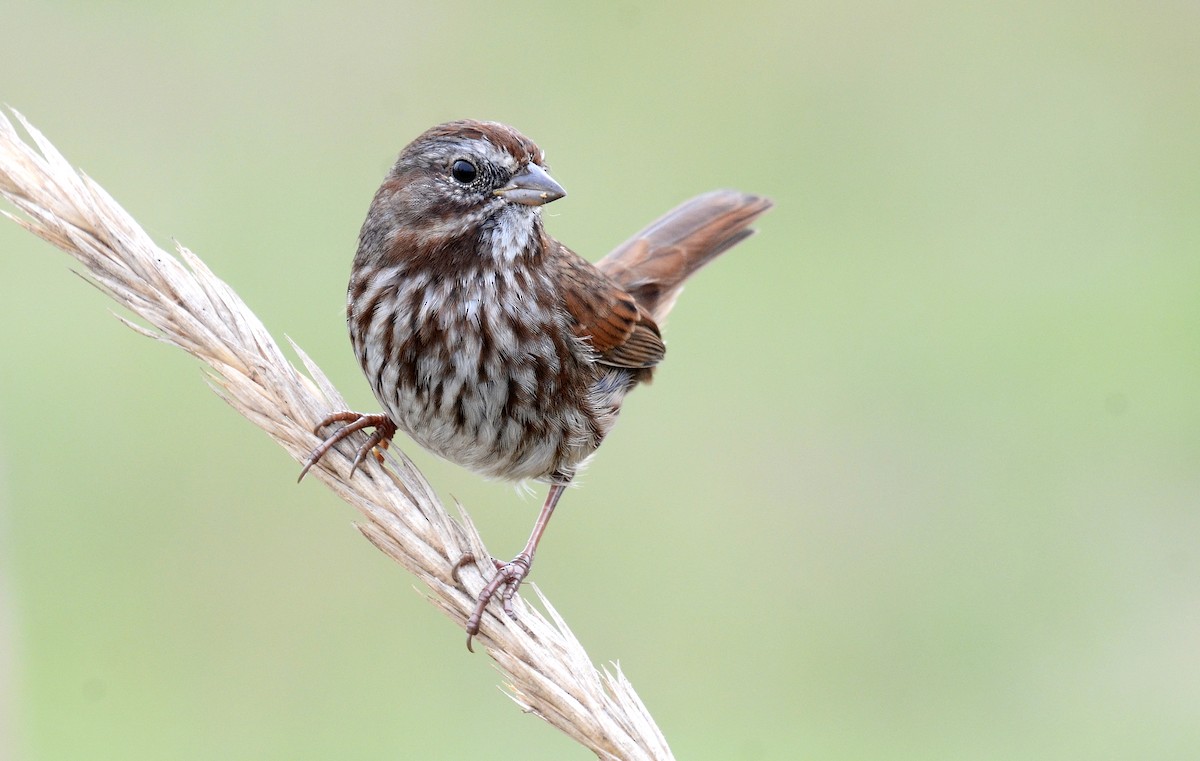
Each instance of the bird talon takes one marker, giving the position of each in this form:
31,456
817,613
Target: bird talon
507,581
355,421
467,558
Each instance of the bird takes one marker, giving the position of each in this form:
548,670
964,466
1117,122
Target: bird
490,343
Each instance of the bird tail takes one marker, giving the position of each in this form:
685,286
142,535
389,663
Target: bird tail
653,265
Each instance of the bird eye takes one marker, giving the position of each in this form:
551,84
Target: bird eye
463,171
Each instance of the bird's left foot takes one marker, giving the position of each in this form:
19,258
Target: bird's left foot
507,581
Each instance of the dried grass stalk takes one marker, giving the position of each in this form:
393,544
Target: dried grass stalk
182,303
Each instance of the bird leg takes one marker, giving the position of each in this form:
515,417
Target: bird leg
356,421
509,575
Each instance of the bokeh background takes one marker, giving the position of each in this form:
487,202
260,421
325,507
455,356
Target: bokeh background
919,480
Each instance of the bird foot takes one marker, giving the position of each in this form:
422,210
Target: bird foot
507,581
355,421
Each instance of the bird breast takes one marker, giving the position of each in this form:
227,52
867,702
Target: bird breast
483,369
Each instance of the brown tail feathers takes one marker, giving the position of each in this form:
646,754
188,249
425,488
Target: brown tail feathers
653,265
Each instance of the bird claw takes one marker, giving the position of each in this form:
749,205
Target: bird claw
355,421
507,581
467,558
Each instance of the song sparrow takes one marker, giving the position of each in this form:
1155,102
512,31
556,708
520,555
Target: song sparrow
490,343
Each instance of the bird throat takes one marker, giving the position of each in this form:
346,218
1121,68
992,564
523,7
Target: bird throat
515,232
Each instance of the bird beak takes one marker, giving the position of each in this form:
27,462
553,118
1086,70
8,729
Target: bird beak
531,186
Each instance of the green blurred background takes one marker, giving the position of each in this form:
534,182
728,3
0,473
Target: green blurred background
919,480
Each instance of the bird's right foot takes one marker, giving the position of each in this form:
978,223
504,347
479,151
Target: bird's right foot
385,429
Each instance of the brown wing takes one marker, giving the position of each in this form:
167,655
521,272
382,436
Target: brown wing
617,327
